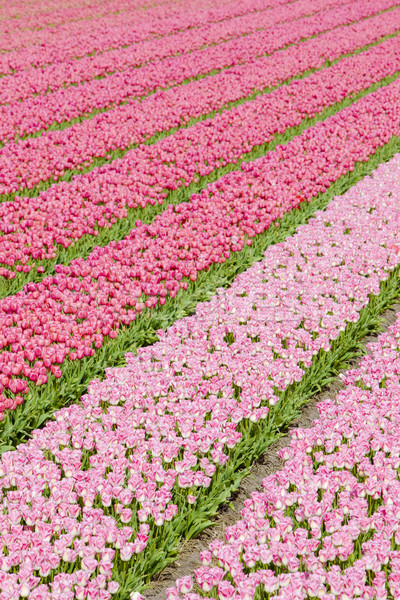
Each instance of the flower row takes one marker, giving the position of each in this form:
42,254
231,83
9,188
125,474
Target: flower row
33,81
90,492
69,314
33,114
27,163
32,227
29,19
73,40
326,525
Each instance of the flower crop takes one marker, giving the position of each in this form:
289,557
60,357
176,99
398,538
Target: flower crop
327,524
64,213
34,114
28,24
134,105
27,163
70,41
92,490
30,82
68,314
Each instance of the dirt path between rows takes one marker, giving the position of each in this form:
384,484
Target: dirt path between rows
268,463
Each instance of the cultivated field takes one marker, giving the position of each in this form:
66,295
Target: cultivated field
199,239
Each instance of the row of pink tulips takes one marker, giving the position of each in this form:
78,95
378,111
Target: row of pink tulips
91,491
116,31
27,163
34,114
68,315
28,18
32,227
327,524
25,84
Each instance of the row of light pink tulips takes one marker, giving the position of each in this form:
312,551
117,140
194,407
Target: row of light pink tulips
32,227
327,524
27,163
91,491
116,31
34,114
93,297
32,81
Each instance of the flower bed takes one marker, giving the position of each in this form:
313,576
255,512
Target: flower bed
55,154
65,213
32,82
186,259
326,525
91,496
94,297
35,114
71,43
25,24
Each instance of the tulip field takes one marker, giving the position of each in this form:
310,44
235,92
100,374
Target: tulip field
199,232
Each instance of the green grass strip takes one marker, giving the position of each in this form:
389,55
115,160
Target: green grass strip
41,402
190,521
56,126
83,247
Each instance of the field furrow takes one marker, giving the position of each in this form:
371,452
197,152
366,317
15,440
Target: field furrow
32,82
69,43
328,520
35,231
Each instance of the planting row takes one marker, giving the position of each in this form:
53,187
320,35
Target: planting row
70,41
34,81
33,227
28,163
69,315
43,111
87,501
327,524
30,18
